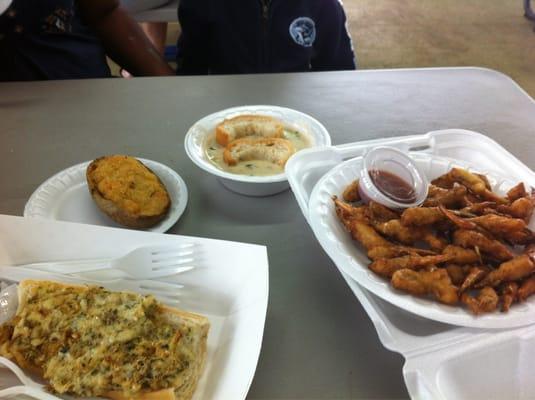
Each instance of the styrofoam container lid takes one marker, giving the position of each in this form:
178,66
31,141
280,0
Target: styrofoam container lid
442,361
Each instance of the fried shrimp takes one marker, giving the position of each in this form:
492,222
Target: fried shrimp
351,193
509,295
520,208
475,274
386,267
366,235
523,237
457,273
473,209
486,301
355,221
451,198
496,224
485,180
396,230
515,269
527,288
396,251
475,184
421,283
381,213
443,181
346,212
490,247
516,192
435,241
461,246
422,216
499,225
460,255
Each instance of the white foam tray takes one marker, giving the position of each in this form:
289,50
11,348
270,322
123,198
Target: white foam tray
442,361
232,292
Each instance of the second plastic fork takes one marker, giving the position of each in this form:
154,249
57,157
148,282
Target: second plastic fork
142,263
168,293
16,391
29,387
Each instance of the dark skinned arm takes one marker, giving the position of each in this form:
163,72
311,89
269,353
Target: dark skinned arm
123,39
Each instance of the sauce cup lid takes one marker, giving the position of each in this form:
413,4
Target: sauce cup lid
390,177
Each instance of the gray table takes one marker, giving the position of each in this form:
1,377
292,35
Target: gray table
318,342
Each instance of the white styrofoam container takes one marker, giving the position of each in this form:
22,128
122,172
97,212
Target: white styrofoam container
443,361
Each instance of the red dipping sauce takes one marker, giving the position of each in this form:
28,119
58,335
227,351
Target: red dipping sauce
393,186
391,177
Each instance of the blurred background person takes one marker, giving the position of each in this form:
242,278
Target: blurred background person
245,36
155,31
69,39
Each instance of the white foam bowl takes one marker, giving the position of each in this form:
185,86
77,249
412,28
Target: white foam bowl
243,184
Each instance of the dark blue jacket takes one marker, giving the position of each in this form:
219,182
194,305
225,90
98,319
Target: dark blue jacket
46,39
256,36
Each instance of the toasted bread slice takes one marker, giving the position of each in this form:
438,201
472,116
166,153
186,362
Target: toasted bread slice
248,125
274,150
128,191
88,341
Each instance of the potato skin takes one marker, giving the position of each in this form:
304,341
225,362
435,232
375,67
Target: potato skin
113,209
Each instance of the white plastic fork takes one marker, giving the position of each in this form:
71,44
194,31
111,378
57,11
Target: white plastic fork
35,393
29,387
168,293
142,263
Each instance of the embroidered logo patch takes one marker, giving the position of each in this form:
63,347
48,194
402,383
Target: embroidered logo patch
59,21
303,31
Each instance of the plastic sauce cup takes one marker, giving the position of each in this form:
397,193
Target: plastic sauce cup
390,177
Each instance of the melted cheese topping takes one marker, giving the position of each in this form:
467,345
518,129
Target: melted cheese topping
88,341
130,185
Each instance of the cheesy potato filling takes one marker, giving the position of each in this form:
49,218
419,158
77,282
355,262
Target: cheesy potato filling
89,341
130,185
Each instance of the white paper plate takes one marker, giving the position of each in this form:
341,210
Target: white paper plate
232,292
351,259
66,197
4,5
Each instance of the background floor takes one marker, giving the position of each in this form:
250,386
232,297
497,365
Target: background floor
429,33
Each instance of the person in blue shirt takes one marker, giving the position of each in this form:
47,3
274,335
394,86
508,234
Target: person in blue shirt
68,39
261,36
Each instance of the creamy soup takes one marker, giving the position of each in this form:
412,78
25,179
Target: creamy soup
214,152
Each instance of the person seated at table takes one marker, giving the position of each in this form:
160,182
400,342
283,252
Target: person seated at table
257,36
69,39
155,31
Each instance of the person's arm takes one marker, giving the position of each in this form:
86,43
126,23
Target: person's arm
333,47
123,39
193,47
